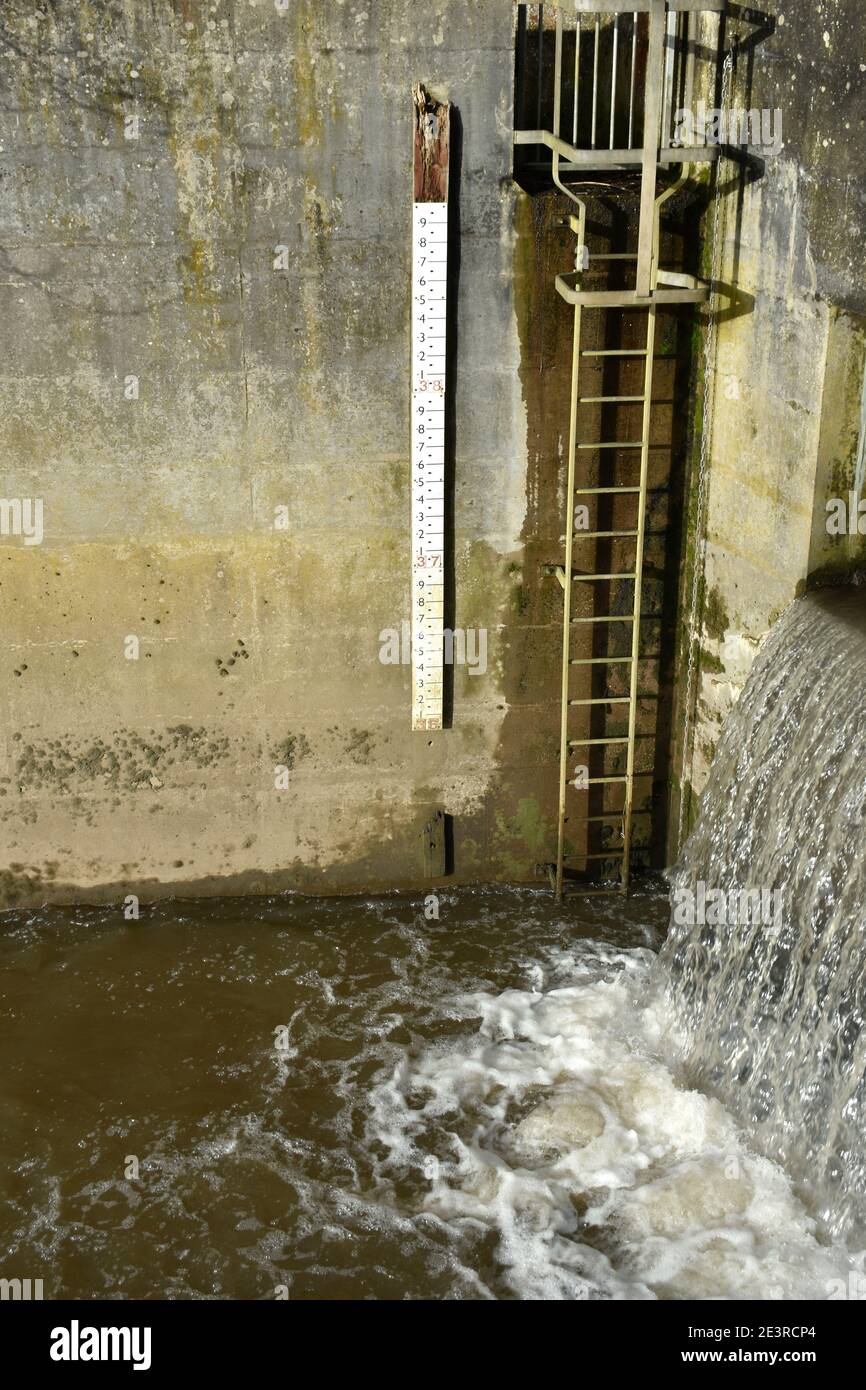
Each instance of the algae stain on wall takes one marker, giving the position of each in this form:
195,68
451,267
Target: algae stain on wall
523,839
838,544
252,132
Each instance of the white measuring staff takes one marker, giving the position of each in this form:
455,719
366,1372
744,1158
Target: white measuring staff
429,275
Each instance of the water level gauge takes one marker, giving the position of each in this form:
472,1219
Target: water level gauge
429,313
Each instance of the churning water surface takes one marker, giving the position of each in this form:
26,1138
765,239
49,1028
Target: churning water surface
342,1099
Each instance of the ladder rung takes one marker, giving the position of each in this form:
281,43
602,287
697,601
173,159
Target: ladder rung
616,854
623,255
607,618
559,573
577,890
620,777
594,491
619,444
591,578
604,700
590,535
603,400
613,352
585,742
599,661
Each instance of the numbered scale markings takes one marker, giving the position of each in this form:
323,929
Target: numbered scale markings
429,272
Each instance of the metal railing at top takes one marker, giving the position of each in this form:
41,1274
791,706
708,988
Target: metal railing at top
590,90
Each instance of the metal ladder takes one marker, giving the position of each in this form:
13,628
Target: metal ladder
667,22
568,576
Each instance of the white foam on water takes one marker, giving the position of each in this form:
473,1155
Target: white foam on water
561,1127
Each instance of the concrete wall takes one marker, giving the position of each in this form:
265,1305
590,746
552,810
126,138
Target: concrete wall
173,383
787,374
154,157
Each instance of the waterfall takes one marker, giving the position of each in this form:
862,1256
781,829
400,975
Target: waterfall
772,1010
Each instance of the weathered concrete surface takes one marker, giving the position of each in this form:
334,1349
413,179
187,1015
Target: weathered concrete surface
787,376
160,165
204,215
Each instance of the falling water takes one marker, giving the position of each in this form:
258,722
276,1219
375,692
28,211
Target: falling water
772,1016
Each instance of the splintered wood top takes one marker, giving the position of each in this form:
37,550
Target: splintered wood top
430,129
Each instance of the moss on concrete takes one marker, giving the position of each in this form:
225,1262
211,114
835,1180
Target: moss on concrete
716,620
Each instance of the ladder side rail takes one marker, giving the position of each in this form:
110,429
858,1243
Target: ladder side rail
568,590
641,529
651,134
580,230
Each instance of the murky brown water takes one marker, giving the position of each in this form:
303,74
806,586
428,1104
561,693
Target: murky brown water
417,1137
